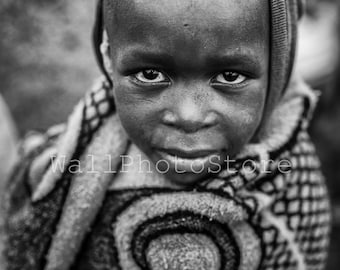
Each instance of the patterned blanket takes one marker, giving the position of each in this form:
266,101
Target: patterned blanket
269,210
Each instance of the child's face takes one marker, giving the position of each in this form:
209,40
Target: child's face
190,78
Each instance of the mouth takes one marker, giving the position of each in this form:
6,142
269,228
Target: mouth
194,161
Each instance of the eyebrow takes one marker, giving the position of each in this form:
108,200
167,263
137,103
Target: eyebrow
244,57
236,59
139,55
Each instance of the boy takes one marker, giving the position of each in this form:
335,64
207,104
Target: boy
191,154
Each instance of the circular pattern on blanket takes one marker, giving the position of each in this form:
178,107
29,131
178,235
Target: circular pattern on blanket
183,251
185,230
218,251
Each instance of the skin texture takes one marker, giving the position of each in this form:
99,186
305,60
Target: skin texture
203,89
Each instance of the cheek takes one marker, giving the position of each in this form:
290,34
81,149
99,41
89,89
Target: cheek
137,114
242,118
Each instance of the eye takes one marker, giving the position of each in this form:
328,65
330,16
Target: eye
151,76
230,77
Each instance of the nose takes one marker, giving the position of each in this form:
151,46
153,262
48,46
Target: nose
189,113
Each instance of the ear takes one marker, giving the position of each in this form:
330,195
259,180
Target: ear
106,54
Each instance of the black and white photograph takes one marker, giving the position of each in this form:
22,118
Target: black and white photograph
170,135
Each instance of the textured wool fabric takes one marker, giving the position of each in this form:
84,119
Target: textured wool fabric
246,218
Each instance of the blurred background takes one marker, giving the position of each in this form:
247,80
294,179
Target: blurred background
47,64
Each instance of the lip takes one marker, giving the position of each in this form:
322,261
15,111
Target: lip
184,161
188,154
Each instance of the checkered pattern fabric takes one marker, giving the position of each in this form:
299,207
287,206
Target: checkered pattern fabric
99,103
298,203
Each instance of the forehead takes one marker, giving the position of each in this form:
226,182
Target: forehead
192,24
